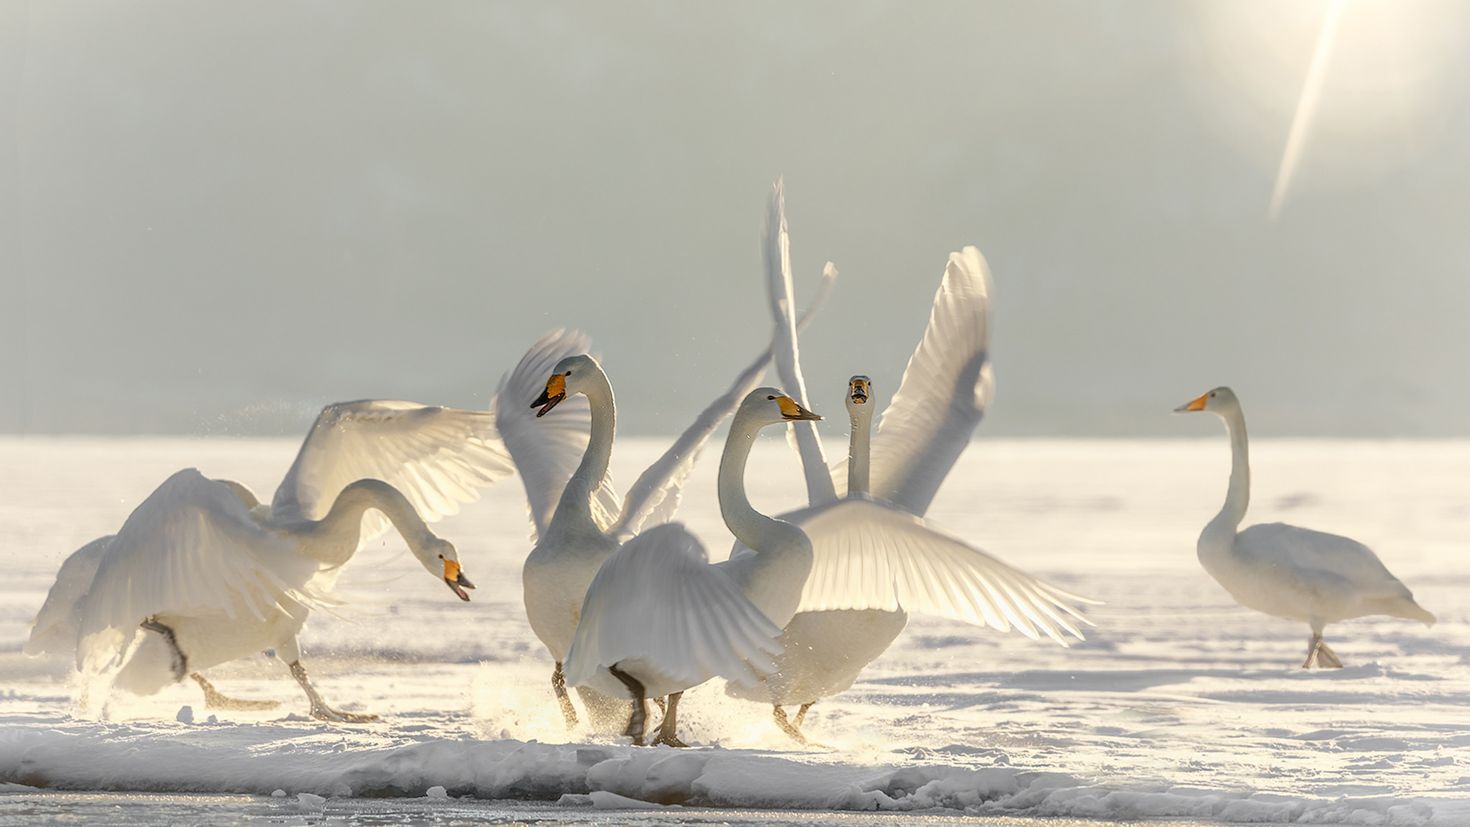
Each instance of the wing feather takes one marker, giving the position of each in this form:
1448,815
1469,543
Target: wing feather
437,457
657,599
190,548
868,555
944,392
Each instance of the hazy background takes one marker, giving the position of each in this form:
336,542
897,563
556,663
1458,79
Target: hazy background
215,217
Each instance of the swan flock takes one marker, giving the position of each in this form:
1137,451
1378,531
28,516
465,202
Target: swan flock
626,602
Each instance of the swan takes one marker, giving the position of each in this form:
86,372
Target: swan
876,558
658,618
204,573
577,517
1286,571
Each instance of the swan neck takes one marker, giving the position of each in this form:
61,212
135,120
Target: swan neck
343,522
1238,497
577,497
858,450
752,528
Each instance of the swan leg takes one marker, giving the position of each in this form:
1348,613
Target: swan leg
290,653
1313,647
639,718
214,699
1326,658
662,704
559,686
180,663
801,713
786,726
668,730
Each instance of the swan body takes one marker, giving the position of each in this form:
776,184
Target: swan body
1287,571
202,573
659,618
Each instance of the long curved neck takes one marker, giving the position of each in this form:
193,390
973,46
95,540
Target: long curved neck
576,498
1238,498
751,527
342,527
858,449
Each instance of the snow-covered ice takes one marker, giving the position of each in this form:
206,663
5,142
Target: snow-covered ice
1180,705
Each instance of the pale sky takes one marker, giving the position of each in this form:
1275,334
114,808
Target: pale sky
216,217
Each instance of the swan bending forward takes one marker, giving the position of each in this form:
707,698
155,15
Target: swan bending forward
1286,571
208,574
659,618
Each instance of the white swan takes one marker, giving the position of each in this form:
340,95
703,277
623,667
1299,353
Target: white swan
876,558
1286,571
211,575
659,618
577,517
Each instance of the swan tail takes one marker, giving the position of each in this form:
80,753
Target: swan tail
1409,610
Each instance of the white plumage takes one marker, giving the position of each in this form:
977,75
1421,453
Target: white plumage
201,573
1286,571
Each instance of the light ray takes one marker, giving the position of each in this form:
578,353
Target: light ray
1306,108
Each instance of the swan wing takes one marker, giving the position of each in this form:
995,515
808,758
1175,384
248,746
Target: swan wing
436,457
190,548
657,599
943,394
868,555
55,629
1318,560
546,451
819,485
654,496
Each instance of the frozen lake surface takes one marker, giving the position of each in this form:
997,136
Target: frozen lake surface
1181,705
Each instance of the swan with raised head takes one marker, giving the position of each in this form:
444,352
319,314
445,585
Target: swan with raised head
577,517
201,573
658,618
1286,571
876,558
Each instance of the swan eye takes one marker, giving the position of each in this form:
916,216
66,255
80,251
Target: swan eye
568,373
1212,394
441,557
771,398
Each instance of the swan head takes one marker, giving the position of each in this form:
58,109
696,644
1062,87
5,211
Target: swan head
768,406
571,376
859,394
441,558
1218,401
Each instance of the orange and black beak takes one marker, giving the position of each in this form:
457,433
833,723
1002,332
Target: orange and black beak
792,412
456,580
556,391
858,389
1193,405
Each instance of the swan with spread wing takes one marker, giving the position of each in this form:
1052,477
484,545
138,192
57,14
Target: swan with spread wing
1287,571
875,558
202,573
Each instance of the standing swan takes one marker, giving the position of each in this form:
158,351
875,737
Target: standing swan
211,575
659,618
1286,571
577,518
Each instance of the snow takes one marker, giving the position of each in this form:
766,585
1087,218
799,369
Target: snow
1180,705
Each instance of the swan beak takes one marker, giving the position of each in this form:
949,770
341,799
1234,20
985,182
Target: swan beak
793,412
1193,405
556,391
455,579
858,391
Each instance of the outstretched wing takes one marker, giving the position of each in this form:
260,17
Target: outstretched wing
654,496
819,486
944,392
657,599
546,450
867,555
55,629
436,457
190,548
